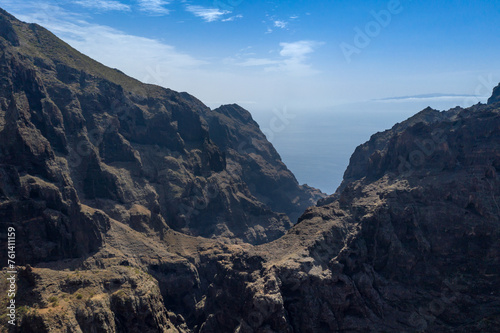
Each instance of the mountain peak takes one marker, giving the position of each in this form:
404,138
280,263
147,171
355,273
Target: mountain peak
495,96
137,145
138,209
6,28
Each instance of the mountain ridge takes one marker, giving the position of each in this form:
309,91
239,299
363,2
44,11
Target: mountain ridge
115,133
109,191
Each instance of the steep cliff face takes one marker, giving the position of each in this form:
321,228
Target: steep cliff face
409,242
410,249
104,179
76,132
252,158
495,97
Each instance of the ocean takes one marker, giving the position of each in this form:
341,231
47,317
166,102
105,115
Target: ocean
316,144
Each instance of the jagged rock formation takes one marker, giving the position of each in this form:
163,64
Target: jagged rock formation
409,243
495,97
94,166
253,159
74,131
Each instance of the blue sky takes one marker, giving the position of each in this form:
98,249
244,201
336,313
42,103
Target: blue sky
300,54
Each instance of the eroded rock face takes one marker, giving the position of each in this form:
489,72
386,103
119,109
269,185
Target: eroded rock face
495,97
399,249
404,249
81,133
253,159
99,173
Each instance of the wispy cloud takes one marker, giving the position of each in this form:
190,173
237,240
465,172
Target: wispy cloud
212,80
154,7
431,97
104,5
275,22
258,62
207,14
232,18
41,12
293,59
146,59
296,54
280,24
298,50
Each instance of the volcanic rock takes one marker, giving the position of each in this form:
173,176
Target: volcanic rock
110,185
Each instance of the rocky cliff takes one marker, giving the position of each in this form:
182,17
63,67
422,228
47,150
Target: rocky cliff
77,133
495,97
108,181
409,243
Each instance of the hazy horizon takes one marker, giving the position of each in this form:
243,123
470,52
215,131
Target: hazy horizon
266,54
316,146
341,71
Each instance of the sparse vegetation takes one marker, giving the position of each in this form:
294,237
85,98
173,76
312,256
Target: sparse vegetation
23,310
120,294
372,256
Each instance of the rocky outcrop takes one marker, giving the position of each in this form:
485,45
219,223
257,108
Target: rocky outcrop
495,97
110,185
401,250
408,243
95,301
252,158
75,132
